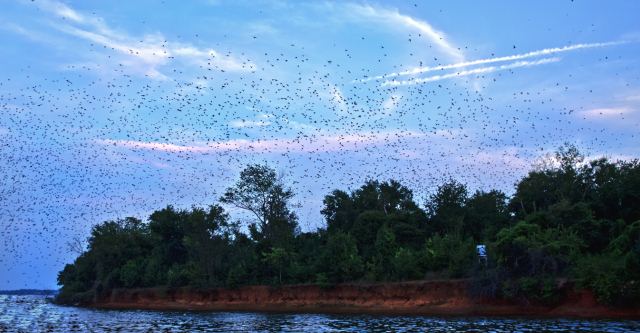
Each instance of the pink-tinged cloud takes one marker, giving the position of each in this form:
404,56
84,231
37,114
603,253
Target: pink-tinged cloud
306,144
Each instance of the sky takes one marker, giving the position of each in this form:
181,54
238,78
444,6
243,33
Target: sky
114,109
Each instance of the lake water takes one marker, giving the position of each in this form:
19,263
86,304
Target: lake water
33,314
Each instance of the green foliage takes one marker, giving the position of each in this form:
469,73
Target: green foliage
602,274
366,209
132,272
405,264
278,259
614,275
305,257
237,276
539,289
366,228
384,249
262,193
569,220
179,276
340,260
450,254
527,249
322,280
532,258
446,208
339,211
486,214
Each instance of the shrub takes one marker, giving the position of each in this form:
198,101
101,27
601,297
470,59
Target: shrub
450,253
405,265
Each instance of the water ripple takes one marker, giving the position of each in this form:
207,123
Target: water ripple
33,314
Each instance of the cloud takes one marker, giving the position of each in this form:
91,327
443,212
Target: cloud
475,71
241,123
633,98
263,119
395,18
61,10
145,54
612,112
154,146
532,54
299,126
390,104
20,30
337,98
506,157
611,157
305,144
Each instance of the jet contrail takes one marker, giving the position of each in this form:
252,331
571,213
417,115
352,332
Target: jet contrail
419,70
481,70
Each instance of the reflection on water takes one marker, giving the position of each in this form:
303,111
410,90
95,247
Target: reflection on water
33,314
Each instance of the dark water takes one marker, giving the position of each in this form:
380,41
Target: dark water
33,314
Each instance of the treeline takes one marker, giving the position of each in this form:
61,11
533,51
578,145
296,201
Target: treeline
572,220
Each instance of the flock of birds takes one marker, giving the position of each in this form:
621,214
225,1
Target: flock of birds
92,144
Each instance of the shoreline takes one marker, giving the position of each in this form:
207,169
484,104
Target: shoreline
425,298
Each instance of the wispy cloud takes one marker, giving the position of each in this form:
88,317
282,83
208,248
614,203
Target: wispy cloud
393,17
241,123
22,31
262,120
506,157
611,112
475,71
633,98
611,157
307,144
532,54
143,53
337,99
154,146
391,103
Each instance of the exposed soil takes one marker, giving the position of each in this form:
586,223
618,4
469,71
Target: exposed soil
449,297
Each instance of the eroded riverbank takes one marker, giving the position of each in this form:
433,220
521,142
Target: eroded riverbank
450,297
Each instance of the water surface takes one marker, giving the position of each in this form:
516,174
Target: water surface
33,314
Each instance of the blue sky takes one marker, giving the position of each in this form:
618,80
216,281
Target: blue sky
110,110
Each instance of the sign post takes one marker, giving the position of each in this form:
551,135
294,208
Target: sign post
481,250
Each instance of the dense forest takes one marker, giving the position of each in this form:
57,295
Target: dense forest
572,220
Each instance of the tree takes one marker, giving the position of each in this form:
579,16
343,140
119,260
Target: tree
486,214
76,245
560,181
278,258
385,249
450,254
532,258
569,157
168,229
446,207
260,192
405,265
613,274
339,211
365,230
630,191
340,260
206,238
534,192
366,209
